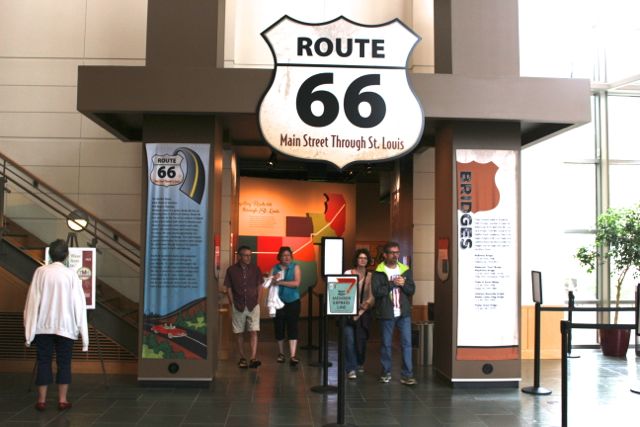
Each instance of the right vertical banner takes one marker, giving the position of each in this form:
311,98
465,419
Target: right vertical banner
486,184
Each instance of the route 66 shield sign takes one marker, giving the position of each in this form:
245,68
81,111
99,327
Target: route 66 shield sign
340,91
167,170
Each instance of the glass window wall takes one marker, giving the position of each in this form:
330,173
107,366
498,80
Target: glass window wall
569,179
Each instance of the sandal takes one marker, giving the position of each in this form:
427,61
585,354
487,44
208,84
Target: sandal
294,361
242,363
280,358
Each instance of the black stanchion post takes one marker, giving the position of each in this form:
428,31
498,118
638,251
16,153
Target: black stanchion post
309,345
321,340
636,388
341,377
572,304
565,327
323,354
325,350
341,384
536,389
322,336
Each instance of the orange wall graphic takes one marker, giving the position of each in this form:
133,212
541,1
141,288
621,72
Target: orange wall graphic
274,213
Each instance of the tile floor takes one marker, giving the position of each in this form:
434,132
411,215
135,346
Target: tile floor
278,395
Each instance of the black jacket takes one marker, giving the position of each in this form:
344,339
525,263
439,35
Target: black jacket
381,288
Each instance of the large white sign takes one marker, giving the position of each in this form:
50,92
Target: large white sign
487,248
340,91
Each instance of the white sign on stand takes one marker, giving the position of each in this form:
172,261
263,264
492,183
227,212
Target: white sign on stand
83,262
342,295
340,91
332,253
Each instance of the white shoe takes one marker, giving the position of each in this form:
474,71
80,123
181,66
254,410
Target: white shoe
352,375
360,369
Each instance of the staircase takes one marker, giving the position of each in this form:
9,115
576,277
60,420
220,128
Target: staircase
22,251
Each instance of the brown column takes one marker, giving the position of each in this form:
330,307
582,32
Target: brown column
195,129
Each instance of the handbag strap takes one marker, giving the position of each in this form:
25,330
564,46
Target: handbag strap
361,289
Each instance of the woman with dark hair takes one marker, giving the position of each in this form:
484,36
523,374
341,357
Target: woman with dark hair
54,315
356,331
286,275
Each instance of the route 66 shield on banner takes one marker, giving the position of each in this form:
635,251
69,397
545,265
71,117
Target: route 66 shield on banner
340,91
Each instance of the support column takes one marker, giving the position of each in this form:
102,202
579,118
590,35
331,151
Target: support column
196,129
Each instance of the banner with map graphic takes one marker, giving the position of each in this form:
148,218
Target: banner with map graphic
487,244
176,252
274,213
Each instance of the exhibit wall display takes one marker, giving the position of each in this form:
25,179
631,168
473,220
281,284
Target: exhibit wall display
176,254
487,254
275,213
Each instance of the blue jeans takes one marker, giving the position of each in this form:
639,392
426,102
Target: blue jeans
355,342
404,326
350,358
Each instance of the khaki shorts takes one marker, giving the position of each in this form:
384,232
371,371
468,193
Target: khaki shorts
245,320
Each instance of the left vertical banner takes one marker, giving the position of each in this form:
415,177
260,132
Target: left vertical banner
175,276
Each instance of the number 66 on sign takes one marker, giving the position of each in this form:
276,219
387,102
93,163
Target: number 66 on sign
340,91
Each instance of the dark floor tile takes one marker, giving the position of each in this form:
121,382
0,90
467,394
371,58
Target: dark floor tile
248,420
365,416
276,395
112,424
160,421
92,406
170,407
455,416
21,424
120,415
72,418
207,414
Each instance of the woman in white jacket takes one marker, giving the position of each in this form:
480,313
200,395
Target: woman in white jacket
54,314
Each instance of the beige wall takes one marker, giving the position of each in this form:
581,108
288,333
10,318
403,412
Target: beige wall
42,42
424,225
244,47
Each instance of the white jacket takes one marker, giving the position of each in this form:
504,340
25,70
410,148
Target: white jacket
273,299
56,305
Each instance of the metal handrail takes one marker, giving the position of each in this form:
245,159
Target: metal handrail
57,202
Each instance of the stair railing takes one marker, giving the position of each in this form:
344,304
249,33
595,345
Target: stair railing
16,176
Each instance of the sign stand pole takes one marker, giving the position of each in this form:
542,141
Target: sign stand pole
341,377
535,388
309,345
324,387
